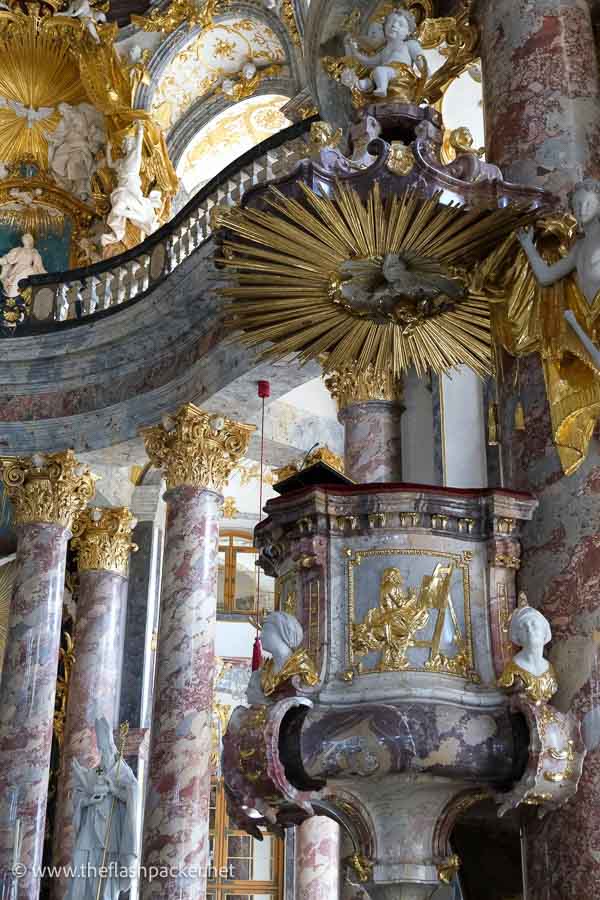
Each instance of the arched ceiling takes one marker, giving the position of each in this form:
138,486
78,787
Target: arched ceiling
228,135
216,53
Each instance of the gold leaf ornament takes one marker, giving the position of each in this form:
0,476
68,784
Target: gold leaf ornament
294,264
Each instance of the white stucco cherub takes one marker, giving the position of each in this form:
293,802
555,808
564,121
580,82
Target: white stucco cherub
83,10
399,47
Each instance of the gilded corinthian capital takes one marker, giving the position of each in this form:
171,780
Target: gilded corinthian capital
102,539
350,385
50,488
196,448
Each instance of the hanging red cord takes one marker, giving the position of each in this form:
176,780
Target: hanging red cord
264,391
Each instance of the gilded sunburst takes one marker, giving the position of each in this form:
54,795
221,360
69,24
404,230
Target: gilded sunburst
373,281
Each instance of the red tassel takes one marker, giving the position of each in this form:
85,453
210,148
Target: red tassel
256,654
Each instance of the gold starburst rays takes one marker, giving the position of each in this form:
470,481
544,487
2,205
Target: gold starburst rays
287,263
38,72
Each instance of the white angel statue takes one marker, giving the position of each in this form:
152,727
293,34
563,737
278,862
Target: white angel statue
105,803
20,263
73,146
127,200
82,9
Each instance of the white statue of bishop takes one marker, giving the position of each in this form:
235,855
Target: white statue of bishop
105,803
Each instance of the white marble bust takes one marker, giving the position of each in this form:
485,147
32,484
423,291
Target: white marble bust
281,636
530,630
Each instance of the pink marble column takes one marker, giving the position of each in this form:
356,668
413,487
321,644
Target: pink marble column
370,408
46,493
318,859
102,544
197,452
542,98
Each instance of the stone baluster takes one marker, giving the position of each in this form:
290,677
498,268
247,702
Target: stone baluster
102,542
370,408
318,859
196,451
542,104
47,493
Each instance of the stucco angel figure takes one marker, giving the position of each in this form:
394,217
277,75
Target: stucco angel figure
281,636
127,200
528,668
583,260
73,146
82,9
20,263
405,288
399,48
105,803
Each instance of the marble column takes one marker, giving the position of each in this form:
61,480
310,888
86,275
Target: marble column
318,859
196,451
543,127
47,493
370,409
102,543
142,607
542,99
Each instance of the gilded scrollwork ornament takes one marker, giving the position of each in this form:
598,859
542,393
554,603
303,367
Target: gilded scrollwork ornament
102,539
52,488
197,448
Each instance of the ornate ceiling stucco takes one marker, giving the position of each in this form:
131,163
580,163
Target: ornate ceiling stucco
208,57
228,135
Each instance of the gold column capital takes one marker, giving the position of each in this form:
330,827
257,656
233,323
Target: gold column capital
197,448
51,488
350,385
102,539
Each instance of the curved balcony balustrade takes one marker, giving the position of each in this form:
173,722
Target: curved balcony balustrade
72,297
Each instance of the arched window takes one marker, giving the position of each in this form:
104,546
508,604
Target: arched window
237,576
241,868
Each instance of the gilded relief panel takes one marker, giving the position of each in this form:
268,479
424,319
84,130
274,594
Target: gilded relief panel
418,618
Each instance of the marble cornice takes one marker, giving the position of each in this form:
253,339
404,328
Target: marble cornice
469,515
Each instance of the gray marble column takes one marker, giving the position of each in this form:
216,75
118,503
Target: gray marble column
370,409
46,493
542,102
142,607
542,96
197,451
102,543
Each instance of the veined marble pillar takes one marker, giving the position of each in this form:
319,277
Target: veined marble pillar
543,128
370,409
318,859
47,493
197,451
103,543
542,102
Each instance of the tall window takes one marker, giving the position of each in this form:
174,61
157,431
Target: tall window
254,868
237,576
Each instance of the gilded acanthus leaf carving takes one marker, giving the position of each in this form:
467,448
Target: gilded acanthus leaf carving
52,488
102,539
197,448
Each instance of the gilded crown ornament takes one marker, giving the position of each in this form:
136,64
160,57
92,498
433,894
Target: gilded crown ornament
47,488
197,448
102,539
